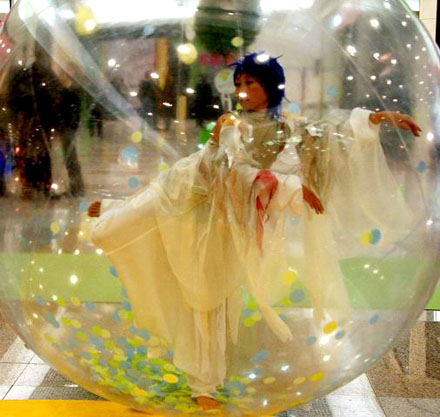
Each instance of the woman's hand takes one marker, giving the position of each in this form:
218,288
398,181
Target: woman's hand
312,200
402,121
94,209
224,119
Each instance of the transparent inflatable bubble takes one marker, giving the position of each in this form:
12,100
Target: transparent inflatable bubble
264,260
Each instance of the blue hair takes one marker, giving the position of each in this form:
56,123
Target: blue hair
270,75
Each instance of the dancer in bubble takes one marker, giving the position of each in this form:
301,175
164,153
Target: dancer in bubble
218,222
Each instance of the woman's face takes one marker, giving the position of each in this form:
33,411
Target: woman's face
250,93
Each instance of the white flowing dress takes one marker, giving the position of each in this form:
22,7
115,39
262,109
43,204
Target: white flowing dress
186,245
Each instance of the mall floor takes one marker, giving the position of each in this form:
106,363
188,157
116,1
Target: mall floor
405,383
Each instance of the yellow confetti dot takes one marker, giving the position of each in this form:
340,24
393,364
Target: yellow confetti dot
55,228
76,324
66,321
289,277
105,334
269,380
249,322
49,338
137,392
317,377
75,301
330,327
300,380
163,166
365,238
251,390
238,41
136,137
61,302
171,379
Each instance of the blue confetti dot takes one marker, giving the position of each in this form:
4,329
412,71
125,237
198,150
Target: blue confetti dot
311,340
83,207
332,92
145,335
116,317
122,341
142,364
124,293
170,354
142,350
113,272
283,317
126,306
247,313
133,330
40,300
126,365
294,107
87,355
129,352
133,182
258,371
374,319
90,306
297,296
130,154
340,335
260,357
50,318
376,235
97,342
422,167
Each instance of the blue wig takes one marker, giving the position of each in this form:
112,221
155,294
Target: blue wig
270,75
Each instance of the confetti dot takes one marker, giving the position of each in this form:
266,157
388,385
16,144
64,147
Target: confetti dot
289,277
237,42
113,272
133,182
376,235
330,327
50,318
297,296
332,92
83,207
294,107
300,380
366,238
75,301
269,380
163,166
311,340
55,228
130,154
422,167
340,335
136,137
260,357
171,379
317,377
40,300
374,319
90,306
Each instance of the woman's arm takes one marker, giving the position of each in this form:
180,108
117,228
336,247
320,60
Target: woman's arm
402,121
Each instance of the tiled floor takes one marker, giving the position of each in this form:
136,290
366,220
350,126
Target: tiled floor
391,388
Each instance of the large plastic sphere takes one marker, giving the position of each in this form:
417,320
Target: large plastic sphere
101,97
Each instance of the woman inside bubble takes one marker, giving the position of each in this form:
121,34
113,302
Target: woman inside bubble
218,223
